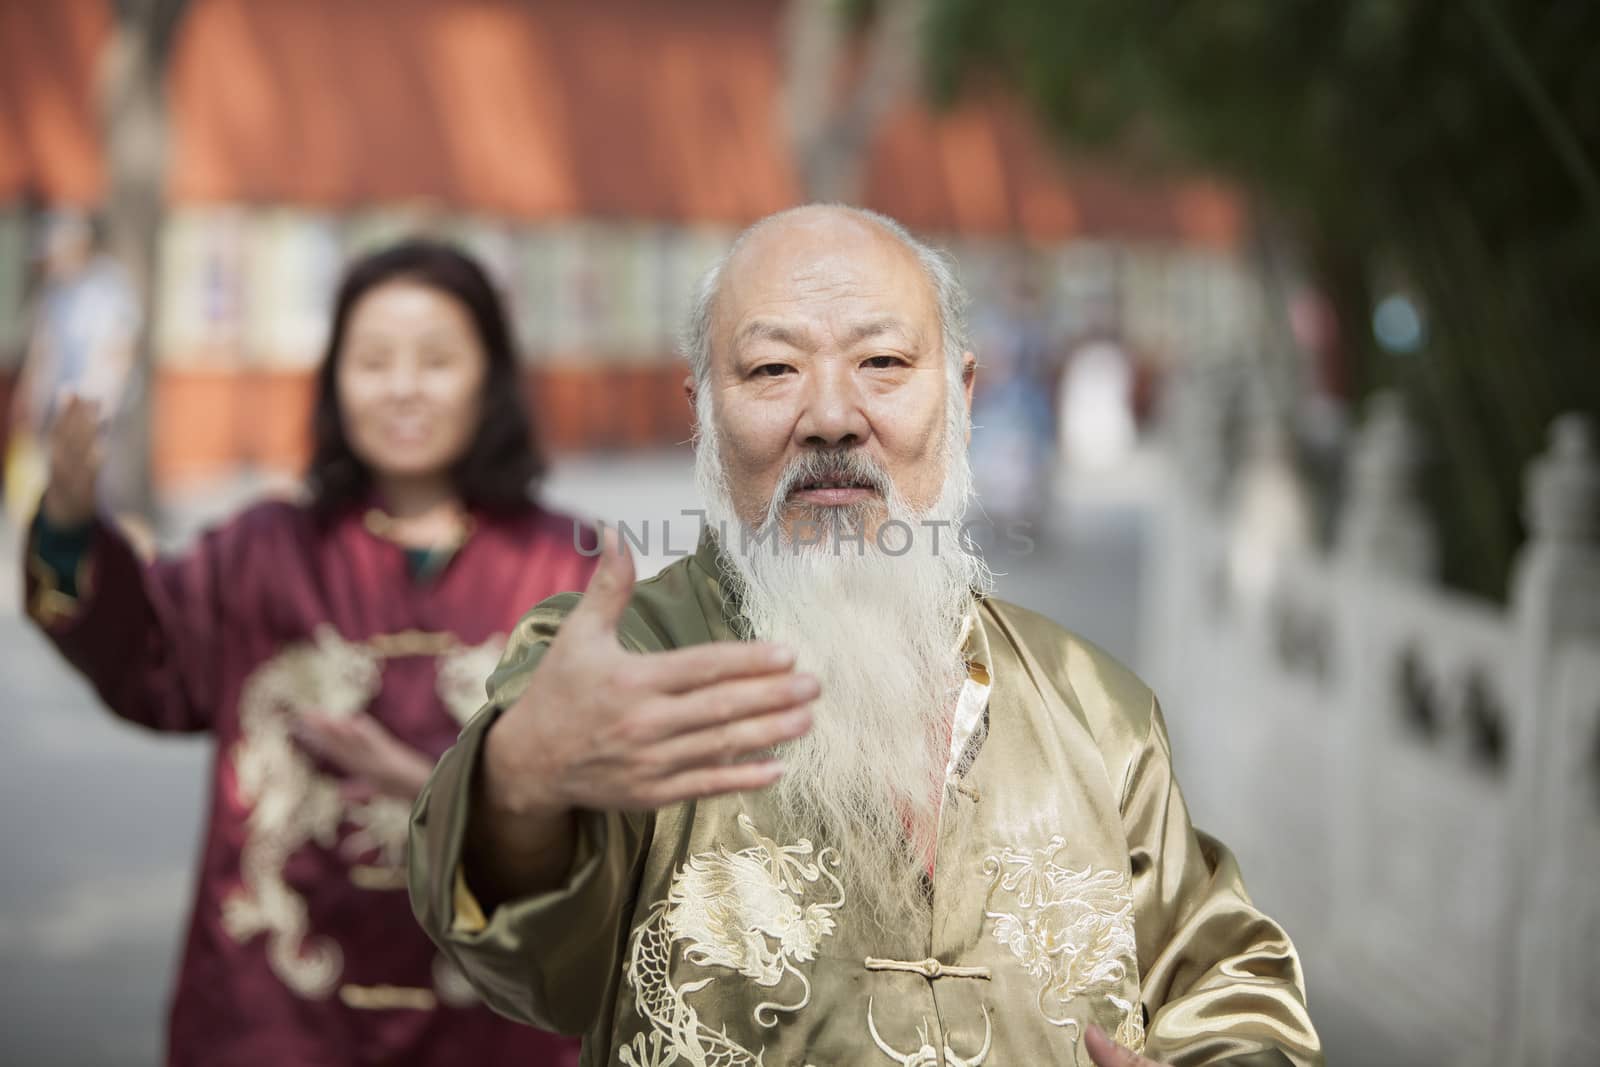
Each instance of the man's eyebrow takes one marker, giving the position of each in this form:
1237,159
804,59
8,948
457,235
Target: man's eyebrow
769,330
877,328
800,336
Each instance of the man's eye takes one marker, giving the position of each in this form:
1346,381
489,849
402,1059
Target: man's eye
883,362
772,370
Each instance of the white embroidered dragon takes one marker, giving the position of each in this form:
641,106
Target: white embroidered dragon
745,911
1072,930
292,803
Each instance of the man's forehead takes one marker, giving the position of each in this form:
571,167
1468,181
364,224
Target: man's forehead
842,268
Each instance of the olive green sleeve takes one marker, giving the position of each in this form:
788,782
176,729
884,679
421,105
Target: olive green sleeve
547,959
1221,981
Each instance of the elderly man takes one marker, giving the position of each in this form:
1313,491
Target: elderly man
812,796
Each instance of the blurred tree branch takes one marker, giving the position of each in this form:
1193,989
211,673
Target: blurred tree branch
1451,146
1526,79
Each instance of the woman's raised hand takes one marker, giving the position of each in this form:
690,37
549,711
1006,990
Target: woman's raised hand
76,454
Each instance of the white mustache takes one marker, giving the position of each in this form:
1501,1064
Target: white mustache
847,468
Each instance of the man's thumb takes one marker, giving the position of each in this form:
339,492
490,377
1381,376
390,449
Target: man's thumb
611,585
1105,1052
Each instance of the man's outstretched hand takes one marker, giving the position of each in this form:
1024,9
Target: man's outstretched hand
1107,1053
603,729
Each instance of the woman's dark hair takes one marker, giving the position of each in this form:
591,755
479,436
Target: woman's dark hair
498,470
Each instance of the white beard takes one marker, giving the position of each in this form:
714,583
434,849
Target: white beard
881,633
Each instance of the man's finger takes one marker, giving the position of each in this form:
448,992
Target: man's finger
726,702
732,742
610,587
1107,1053
715,781
684,670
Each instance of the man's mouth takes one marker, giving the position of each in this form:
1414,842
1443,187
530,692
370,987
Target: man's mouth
834,491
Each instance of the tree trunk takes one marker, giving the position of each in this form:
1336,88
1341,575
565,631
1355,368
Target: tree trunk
134,131
832,118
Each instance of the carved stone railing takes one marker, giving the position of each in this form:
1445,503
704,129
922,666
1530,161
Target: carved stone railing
1410,777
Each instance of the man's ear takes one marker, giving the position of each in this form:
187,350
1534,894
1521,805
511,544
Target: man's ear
969,376
688,388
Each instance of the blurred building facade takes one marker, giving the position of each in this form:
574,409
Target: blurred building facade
597,156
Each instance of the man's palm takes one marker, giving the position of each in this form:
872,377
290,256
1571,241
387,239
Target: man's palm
601,728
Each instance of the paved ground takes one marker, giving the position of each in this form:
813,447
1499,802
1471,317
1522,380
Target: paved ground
100,819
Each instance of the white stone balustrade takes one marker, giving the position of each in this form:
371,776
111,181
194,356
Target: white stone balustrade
1411,777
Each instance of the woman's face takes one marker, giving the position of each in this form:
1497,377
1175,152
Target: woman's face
410,380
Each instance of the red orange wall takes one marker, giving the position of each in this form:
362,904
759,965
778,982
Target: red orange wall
208,423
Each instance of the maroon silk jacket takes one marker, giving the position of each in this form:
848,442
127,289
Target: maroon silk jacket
301,948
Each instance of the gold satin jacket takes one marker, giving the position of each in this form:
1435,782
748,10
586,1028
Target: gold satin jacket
1077,892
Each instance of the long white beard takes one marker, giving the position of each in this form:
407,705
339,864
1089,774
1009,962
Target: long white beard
882,635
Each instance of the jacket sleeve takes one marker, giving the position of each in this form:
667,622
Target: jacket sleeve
1221,982
547,959
146,636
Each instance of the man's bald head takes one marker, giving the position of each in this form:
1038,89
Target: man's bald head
814,232
830,330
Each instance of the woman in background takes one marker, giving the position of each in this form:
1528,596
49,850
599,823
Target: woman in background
333,648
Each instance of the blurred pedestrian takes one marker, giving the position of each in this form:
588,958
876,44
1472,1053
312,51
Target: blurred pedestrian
1098,397
85,324
1014,414
334,647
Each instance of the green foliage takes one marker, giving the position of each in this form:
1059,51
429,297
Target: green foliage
1449,143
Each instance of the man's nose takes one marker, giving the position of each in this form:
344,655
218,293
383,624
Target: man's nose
833,415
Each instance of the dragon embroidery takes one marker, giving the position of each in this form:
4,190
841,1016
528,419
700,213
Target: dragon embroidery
746,912
1070,929
926,1055
292,803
